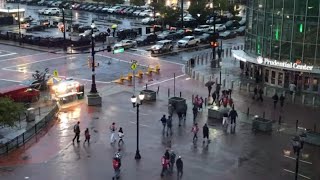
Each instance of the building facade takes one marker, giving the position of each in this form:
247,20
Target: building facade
282,43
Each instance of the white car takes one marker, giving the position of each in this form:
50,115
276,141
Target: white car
113,9
147,20
52,11
96,32
146,13
188,41
126,44
202,28
136,12
219,27
41,11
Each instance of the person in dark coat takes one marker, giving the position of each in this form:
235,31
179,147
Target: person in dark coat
214,97
260,94
282,98
179,165
167,154
209,89
233,115
195,112
255,93
205,131
164,122
275,100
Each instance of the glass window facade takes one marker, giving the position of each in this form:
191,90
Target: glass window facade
285,30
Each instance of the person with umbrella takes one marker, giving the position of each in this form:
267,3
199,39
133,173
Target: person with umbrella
209,84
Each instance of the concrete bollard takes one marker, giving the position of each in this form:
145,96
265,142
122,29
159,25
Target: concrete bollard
313,101
303,99
202,79
265,91
293,97
193,74
180,94
232,84
158,89
168,92
248,111
205,101
224,83
248,87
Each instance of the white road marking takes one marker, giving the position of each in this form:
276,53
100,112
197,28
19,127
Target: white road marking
8,54
307,162
306,177
9,80
155,58
121,60
21,57
139,124
165,80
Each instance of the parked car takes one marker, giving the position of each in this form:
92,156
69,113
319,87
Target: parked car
205,37
35,26
232,24
20,93
162,46
146,13
52,11
147,39
113,9
83,28
41,11
243,22
227,35
184,32
201,29
147,20
188,41
241,30
41,3
126,44
219,27
167,35
126,34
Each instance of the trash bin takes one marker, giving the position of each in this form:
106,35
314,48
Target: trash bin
177,102
261,124
30,115
149,95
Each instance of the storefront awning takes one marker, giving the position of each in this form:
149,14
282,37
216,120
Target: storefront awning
264,61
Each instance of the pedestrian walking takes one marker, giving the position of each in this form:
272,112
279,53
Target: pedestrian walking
179,165
76,130
170,109
167,154
165,164
282,98
195,113
172,160
169,125
214,97
209,89
87,136
195,130
225,122
200,103
164,123
116,162
275,100
255,92
233,116
260,94
205,131
113,129
120,135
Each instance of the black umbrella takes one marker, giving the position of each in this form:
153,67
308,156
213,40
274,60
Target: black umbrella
209,83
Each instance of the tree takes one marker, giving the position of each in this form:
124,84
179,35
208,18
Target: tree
170,15
200,10
137,2
9,111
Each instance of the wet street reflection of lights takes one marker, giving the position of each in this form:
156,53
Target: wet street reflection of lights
22,69
68,118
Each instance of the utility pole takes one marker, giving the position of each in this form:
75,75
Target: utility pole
181,14
19,22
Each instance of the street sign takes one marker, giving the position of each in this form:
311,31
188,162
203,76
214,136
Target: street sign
55,73
134,65
120,50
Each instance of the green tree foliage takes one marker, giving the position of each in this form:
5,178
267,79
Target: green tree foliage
9,111
200,10
137,2
170,15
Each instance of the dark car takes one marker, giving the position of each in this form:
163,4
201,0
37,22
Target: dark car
241,30
184,32
34,26
232,24
147,39
168,35
82,29
227,35
205,37
126,34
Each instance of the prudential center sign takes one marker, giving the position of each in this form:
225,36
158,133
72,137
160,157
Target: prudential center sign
290,65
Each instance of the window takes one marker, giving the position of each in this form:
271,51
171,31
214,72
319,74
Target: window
266,76
306,83
273,77
280,79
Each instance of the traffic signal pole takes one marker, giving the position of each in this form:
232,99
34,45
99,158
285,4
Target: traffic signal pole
181,14
214,43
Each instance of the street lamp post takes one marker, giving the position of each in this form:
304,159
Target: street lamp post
19,22
93,85
136,103
64,29
181,14
297,144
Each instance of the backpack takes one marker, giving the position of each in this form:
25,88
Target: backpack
115,163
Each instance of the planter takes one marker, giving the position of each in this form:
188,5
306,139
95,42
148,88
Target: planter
149,95
261,124
177,102
215,112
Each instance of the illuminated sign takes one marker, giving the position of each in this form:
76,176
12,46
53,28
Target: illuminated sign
290,65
